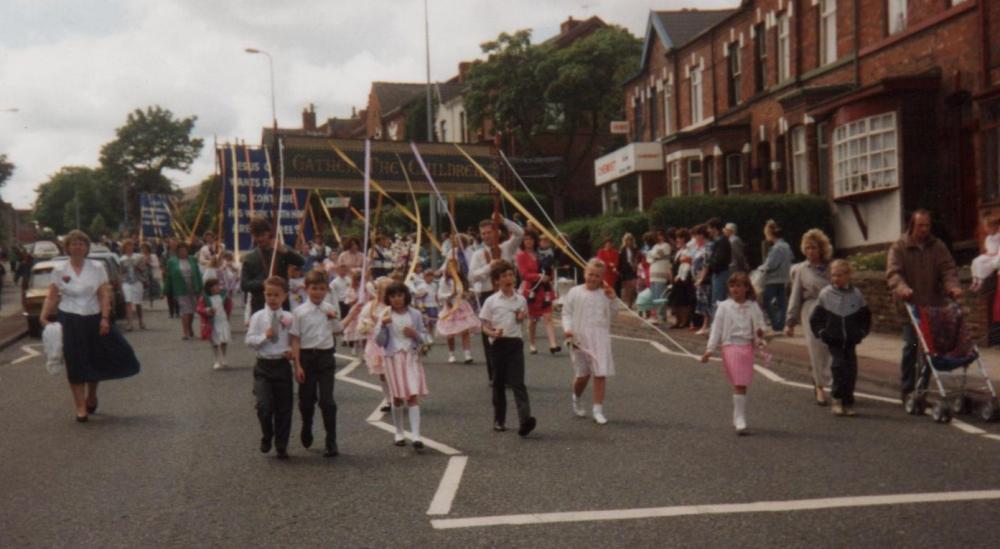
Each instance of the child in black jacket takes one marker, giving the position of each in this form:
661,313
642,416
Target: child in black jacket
841,320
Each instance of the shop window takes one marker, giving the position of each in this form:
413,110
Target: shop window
800,161
735,70
697,96
760,58
784,47
827,32
694,175
675,179
734,171
897,16
865,155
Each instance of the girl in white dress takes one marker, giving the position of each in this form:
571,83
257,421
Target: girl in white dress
588,310
986,264
216,311
455,317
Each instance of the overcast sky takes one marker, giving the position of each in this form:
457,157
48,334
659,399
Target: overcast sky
74,69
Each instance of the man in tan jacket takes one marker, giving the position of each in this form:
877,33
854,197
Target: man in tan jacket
920,270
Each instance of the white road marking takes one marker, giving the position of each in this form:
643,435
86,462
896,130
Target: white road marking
716,509
31,353
445,495
994,437
659,347
433,444
966,428
769,374
378,414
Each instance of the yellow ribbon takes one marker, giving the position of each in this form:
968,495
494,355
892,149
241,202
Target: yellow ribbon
420,226
520,207
329,217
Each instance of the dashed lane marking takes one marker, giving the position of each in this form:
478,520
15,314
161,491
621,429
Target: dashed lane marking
30,353
448,487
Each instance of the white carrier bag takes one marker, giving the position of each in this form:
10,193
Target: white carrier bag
52,340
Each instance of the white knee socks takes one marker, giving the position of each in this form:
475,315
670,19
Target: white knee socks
415,422
739,411
397,421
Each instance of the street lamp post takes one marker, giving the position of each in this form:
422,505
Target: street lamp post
433,202
270,65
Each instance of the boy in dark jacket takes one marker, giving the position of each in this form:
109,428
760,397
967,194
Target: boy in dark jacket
841,320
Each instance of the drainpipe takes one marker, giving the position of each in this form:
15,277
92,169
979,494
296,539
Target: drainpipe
857,43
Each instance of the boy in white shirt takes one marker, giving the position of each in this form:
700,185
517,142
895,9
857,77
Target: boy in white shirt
340,289
272,375
502,314
315,322
587,313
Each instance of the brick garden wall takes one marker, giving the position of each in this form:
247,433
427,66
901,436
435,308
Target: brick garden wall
886,319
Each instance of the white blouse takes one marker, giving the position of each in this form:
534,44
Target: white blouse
78,292
735,324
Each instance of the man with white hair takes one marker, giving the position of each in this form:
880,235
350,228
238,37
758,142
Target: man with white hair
739,260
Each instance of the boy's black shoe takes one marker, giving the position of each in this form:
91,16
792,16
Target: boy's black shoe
307,436
527,427
418,445
265,445
386,408
331,451
282,453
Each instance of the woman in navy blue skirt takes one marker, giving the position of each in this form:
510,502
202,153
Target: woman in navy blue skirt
93,349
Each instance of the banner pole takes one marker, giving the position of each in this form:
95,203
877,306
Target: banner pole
236,207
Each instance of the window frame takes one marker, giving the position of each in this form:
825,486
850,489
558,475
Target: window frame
734,160
693,175
798,143
784,47
760,57
862,157
697,99
668,118
653,98
827,18
823,157
898,21
675,178
734,72
708,170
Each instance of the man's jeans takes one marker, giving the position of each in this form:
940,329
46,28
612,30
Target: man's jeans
775,305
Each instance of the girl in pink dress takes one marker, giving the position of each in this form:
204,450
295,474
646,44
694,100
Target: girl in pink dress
532,279
401,336
456,317
738,328
350,322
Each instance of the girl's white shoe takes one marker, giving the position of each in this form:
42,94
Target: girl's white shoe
578,408
452,359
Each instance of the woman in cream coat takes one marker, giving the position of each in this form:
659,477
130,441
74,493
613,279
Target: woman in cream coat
808,278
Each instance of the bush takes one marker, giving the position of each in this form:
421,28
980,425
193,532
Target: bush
868,262
587,234
796,214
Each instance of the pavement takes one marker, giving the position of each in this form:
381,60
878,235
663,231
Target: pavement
170,460
12,325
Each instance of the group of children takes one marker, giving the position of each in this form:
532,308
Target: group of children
395,322
841,320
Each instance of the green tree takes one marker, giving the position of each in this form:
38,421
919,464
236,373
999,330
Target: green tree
6,169
97,227
543,94
210,192
416,119
55,204
150,142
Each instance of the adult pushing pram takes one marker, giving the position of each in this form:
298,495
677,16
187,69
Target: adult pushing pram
946,352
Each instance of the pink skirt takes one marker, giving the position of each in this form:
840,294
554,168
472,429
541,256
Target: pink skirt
460,320
374,357
405,375
738,362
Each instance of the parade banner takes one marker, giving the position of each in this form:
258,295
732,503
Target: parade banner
248,191
155,215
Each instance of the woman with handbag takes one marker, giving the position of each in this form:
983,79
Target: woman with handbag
93,348
183,281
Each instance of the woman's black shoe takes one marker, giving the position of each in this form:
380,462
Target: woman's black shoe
386,408
92,409
555,349
81,419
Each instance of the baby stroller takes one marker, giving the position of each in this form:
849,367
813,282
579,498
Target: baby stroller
946,352
646,301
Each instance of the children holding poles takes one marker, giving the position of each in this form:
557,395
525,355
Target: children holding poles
215,320
456,317
588,310
401,337
502,314
315,322
841,319
268,335
369,317
738,328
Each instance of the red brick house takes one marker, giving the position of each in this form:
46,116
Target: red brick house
883,106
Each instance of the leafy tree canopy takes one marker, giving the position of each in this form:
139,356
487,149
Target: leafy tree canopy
6,169
56,203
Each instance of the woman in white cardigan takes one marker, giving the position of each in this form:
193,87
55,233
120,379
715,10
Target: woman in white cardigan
808,278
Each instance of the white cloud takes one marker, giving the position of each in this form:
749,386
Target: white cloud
76,69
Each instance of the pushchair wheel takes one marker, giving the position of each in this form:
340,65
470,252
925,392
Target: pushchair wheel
915,405
962,405
941,413
990,410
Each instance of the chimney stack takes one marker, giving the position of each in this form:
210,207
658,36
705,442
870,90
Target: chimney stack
309,118
568,25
